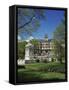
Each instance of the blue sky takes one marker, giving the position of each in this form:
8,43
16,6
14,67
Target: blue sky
48,26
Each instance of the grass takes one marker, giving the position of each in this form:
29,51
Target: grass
41,71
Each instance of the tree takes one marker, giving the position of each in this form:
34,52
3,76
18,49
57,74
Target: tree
21,49
29,20
59,42
59,33
35,42
58,51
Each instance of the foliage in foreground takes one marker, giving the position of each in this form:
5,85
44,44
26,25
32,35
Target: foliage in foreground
21,49
59,41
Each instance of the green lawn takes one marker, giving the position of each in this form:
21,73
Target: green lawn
41,71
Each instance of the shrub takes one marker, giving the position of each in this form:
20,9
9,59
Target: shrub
52,60
53,68
45,61
21,66
37,60
32,61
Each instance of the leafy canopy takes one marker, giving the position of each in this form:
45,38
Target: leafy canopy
29,20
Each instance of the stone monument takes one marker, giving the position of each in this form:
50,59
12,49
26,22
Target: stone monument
28,52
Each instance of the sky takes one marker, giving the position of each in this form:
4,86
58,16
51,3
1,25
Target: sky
48,25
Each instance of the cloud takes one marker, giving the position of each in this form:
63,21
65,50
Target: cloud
30,38
19,38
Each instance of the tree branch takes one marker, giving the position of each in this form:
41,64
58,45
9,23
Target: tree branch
27,22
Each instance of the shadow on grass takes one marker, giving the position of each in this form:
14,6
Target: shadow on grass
39,76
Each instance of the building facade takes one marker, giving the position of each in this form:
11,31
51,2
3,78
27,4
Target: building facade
44,51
